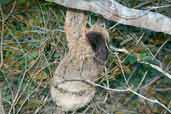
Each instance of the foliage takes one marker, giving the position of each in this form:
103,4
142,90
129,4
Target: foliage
34,43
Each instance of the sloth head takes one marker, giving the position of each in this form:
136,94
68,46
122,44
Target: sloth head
98,45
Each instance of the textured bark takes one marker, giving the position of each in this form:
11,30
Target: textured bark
112,10
68,89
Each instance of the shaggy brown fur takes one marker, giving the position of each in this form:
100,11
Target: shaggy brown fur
67,89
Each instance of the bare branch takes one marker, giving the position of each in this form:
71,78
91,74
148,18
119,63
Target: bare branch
132,91
158,69
112,10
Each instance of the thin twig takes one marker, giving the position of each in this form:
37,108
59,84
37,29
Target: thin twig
132,91
142,80
122,70
150,100
2,35
160,48
158,69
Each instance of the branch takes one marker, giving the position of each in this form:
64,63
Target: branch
158,69
112,10
155,101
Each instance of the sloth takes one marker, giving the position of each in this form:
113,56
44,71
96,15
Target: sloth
84,61
68,89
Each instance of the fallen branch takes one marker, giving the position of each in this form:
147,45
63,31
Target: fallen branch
112,10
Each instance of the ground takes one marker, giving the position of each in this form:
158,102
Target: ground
33,43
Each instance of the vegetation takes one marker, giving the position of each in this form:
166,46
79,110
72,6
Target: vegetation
33,43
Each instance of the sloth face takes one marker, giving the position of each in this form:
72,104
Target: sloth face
98,45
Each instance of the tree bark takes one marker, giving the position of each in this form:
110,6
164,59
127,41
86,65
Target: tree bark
112,10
